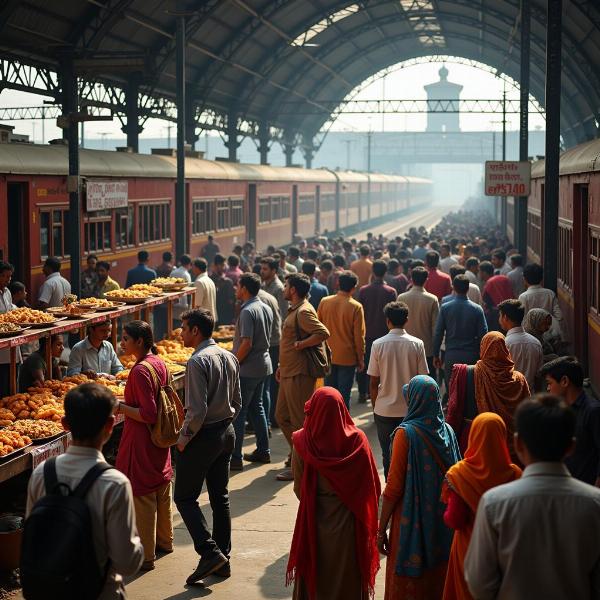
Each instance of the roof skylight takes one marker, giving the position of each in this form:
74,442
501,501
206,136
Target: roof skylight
317,28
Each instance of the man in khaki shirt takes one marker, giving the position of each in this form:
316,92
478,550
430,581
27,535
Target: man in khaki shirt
345,319
295,385
423,309
363,267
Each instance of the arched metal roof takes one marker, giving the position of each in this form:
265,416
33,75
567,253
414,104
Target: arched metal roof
241,55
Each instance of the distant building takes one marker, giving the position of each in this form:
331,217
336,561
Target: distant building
443,90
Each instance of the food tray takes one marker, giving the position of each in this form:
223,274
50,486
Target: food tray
43,325
175,287
15,453
70,315
131,300
97,309
46,440
7,334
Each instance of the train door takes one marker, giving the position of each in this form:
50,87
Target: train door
17,231
252,212
581,271
294,211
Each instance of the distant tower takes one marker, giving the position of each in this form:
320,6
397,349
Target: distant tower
443,90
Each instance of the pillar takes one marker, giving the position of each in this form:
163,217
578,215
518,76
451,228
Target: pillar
181,242
132,126
232,135
263,142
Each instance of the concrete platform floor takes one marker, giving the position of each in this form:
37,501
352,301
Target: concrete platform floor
263,517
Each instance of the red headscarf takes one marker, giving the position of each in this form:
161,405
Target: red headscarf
333,447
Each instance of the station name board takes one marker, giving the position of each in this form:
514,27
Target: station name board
507,178
103,195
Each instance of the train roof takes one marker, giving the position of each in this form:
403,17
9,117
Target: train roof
583,158
35,159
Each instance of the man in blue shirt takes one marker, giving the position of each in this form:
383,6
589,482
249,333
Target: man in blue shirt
94,354
463,323
317,290
142,273
251,347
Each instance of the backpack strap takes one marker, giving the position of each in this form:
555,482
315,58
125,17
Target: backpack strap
89,478
155,378
50,477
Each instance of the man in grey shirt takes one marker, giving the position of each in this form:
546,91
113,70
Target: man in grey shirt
271,387
212,399
251,347
272,284
539,536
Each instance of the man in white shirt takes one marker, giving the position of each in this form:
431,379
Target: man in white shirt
395,359
89,416
472,271
6,304
55,288
182,271
474,293
516,274
206,291
525,350
423,309
499,261
536,296
446,260
538,536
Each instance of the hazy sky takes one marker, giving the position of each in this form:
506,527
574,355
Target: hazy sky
404,83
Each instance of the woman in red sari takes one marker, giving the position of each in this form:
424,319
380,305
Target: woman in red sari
334,551
147,466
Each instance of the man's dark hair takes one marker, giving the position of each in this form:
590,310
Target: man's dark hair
15,287
513,310
271,262
396,312
393,264
364,250
219,259
461,284
379,268
6,266
565,366
419,276
471,262
233,260
87,408
392,248
251,282
445,247
347,281
309,267
339,260
546,425
312,254
499,253
167,256
201,318
103,264
432,259
327,265
139,330
185,259
516,260
487,267
256,268
533,273
201,264
237,249
456,270
91,257
143,256
294,251
53,264
300,282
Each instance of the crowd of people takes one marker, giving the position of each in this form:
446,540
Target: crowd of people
448,334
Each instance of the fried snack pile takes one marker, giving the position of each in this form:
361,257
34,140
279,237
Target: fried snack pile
224,332
124,374
96,302
168,281
131,294
172,351
26,315
40,404
36,429
6,417
226,345
11,441
9,327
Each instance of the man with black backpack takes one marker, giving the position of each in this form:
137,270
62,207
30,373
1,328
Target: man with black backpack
80,536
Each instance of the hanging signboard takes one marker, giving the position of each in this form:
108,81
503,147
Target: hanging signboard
507,178
103,195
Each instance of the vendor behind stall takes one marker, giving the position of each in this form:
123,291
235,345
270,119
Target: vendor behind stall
95,355
34,372
6,304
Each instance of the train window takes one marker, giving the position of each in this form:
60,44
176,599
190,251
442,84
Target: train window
154,222
97,231
54,230
124,218
285,207
237,213
307,205
594,270
222,214
203,219
275,208
264,210
565,255
327,202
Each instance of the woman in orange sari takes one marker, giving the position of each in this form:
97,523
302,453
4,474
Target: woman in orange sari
492,385
486,465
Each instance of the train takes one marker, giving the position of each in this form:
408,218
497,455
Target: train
578,242
135,208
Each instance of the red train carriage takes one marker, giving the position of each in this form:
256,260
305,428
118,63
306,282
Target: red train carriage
578,247
233,202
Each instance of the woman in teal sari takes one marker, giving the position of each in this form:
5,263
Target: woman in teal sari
418,547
